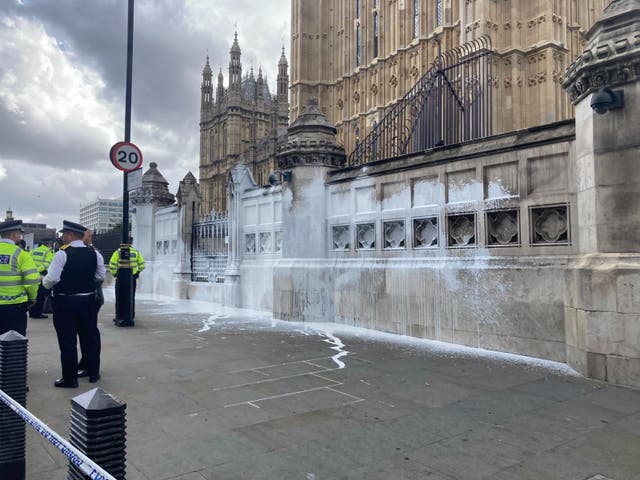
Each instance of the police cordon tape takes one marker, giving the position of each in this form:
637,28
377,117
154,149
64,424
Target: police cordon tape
74,455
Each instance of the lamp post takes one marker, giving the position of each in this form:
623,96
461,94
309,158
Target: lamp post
124,290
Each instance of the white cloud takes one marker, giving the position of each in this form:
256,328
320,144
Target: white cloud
62,90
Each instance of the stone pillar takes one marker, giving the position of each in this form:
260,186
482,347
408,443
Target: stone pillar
300,292
188,198
602,308
153,194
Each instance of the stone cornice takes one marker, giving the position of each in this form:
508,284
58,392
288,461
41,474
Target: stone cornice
612,57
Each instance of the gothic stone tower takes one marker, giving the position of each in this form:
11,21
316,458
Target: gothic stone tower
241,123
358,56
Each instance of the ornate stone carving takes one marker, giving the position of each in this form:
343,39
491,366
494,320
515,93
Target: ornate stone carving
503,227
250,243
265,242
366,236
154,190
550,224
425,232
340,235
393,234
612,54
462,230
311,141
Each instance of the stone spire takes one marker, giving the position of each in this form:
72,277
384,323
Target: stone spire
206,88
220,90
235,67
283,78
154,190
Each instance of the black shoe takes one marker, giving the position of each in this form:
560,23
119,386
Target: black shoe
63,383
94,378
39,316
82,373
123,323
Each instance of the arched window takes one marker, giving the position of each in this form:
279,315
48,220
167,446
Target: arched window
416,18
358,45
376,34
438,13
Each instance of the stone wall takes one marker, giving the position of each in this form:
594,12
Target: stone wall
467,245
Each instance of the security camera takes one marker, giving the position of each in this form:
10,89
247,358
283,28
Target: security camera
606,99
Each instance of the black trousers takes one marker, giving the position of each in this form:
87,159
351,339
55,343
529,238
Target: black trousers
36,309
13,317
74,316
82,364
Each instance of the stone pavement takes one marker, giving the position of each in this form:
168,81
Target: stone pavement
221,394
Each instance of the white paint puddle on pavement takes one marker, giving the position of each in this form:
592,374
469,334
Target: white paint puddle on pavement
338,347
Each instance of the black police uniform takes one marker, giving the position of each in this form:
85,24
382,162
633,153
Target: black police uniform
74,312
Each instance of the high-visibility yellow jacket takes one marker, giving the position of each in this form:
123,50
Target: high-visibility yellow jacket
137,261
19,277
42,257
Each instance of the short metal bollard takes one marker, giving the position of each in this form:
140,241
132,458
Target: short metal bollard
13,381
98,429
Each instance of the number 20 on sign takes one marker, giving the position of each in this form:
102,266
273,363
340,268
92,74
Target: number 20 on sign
126,156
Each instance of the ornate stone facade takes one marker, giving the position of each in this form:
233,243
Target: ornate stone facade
359,56
240,123
612,56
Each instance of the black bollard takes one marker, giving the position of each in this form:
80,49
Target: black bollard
13,382
98,430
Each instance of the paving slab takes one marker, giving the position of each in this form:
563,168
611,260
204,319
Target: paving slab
215,393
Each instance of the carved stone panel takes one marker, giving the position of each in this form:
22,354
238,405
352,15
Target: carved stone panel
250,243
393,234
394,195
461,230
366,199
501,181
463,186
278,242
425,232
503,228
548,173
366,236
425,191
265,242
340,237
550,225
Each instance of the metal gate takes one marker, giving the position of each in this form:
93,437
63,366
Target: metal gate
210,248
450,104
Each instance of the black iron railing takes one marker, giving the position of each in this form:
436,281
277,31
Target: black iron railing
450,104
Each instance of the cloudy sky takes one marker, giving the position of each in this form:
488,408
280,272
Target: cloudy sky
62,88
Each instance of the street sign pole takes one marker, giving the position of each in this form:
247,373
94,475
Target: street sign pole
124,290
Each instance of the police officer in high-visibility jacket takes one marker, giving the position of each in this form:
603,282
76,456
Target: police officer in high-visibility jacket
19,279
42,256
137,266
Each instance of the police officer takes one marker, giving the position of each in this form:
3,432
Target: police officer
42,256
73,274
19,279
137,266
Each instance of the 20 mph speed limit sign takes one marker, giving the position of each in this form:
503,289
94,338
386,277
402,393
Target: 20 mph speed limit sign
126,156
